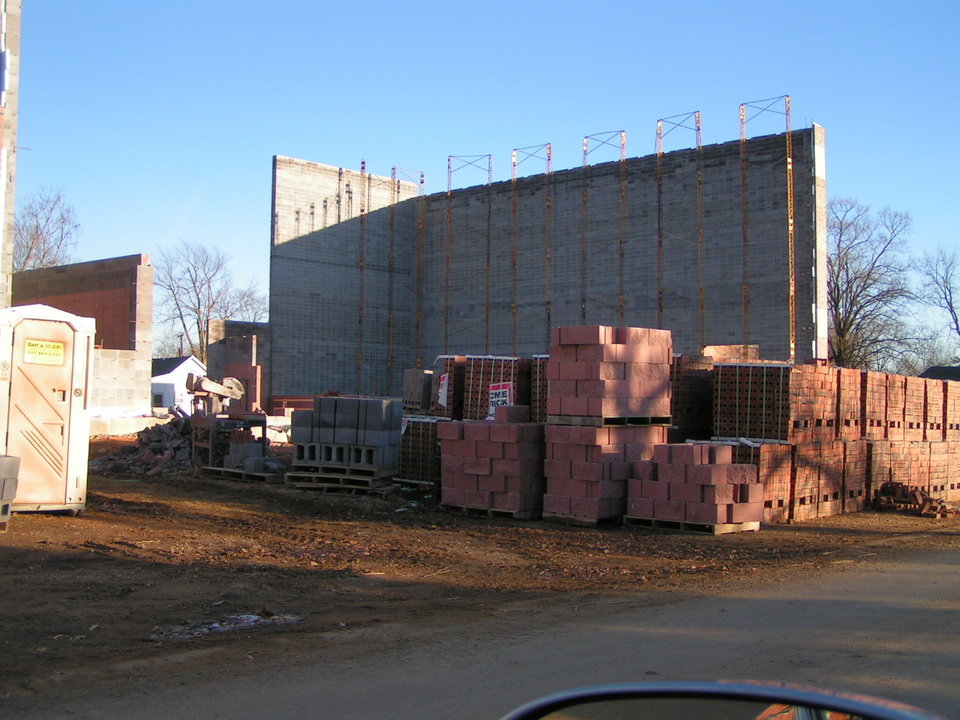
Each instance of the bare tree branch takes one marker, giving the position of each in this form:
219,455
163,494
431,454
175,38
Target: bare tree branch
867,289
195,287
45,228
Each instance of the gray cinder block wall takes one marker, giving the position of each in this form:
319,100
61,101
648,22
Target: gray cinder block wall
490,269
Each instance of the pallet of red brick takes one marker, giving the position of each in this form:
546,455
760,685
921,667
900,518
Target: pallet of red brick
849,404
896,407
493,466
951,404
481,371
873,398
934,410
914,408
587,468
610,374
696,484
539,388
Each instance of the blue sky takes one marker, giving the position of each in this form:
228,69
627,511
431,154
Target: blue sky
158,121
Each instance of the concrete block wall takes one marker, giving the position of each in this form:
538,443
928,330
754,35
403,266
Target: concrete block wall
9,117
492,269
315,281
118,294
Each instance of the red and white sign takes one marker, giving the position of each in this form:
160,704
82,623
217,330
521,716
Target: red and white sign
501,394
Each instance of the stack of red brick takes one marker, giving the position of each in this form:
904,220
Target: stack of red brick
696,484
493,466
608,404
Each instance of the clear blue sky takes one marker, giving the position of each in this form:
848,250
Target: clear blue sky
158,121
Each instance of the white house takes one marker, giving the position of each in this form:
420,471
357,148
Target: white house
168,386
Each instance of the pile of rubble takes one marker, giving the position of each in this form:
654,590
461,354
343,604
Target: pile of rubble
158,450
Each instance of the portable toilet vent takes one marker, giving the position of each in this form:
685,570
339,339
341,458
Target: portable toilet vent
46,360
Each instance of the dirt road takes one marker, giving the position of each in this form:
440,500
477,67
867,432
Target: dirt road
191,577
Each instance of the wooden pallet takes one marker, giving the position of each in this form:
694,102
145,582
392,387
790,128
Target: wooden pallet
315,480
496,512
701,528
593,421
343,471
238,474
578,521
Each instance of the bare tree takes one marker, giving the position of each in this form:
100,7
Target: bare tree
867,290
940,288
195,287
45,231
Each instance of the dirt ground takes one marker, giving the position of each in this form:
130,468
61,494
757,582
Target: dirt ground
160,567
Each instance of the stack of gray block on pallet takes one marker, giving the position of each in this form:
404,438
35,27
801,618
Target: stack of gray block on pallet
350,442
9,472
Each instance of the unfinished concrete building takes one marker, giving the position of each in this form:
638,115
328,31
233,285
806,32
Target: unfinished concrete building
720,244
10,12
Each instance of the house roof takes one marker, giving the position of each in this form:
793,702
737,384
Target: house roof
162,366
942,372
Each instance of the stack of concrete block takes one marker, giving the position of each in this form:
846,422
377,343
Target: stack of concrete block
695,484
495,467
344,435
609,406
417,390
610,374
9,473
587,468
246,452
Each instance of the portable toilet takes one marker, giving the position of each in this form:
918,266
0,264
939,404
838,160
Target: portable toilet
46,361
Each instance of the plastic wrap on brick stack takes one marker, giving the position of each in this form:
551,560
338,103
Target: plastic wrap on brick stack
691,381
935,410
450,371
495,467
354,442
695,487
608,406
774,463
482,372
873,399
420,450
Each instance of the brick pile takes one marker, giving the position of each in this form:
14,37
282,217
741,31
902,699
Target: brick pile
539,388
696,484
691,380
420,450
495,467
873,404
774,463
951,410
914,408
608,405
934,410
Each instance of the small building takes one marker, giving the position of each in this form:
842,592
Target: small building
942,372
168,386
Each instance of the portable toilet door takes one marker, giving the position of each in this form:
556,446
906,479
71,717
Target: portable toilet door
48,421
